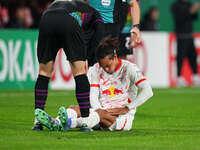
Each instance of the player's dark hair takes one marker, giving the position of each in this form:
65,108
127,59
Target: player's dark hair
107,47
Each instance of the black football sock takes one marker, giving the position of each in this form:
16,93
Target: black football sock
83,94
41,91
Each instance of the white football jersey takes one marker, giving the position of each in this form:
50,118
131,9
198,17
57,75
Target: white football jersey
118,89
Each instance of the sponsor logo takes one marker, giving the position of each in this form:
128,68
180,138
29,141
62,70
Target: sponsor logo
112,92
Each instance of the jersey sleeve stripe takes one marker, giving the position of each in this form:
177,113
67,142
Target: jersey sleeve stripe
140,81
94,85
124,124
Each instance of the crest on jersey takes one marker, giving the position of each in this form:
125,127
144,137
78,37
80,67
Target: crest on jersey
112,91
106,3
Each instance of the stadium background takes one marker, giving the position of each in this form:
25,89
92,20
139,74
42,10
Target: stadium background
18,62
165,19
168,121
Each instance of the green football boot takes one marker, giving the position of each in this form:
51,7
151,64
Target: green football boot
37,127
46,120
65,122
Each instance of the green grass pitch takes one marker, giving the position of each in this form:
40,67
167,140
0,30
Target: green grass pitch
168,121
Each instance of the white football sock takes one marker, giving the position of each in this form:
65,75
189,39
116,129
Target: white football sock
91,121
71,113
57,120
75,123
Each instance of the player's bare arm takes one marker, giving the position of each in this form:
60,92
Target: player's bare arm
135,15
195,7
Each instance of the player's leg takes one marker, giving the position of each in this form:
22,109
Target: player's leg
105,118
92,43
82,86
112,29
47,48
72,109
41,86
75,49
41,89
192,57
69,118
123,123
181,53
95,117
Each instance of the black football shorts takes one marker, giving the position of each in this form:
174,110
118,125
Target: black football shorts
60,30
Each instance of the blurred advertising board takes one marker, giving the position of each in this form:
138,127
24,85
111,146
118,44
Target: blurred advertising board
186,71
18,63
156,57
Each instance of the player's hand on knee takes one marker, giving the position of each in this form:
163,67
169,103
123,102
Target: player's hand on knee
118,111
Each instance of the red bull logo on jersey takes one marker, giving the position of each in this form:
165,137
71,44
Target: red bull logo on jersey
112,92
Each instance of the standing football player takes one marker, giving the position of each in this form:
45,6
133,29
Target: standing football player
61,27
